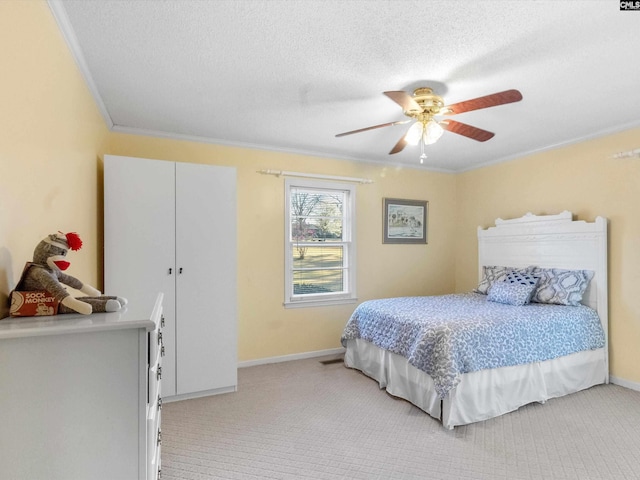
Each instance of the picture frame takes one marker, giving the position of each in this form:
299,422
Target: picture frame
404,221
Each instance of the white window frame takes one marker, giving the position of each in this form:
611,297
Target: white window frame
348,243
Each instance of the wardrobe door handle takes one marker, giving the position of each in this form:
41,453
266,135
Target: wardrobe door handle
170,271
180,271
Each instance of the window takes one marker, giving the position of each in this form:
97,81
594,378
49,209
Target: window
319,243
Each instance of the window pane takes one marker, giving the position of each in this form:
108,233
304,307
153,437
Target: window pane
317,269
301,230
316,229
316,215
317,257
311,282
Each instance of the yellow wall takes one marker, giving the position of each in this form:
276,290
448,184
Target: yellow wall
53,139
51,134
583,179
266,328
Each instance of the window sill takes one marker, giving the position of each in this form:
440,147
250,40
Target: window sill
319,303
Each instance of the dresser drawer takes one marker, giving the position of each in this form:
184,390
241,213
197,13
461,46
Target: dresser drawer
154,443
154,435
155,377
155,467
156,344
154,400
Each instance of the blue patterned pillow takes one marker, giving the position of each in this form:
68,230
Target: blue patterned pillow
560,287
492,274
521,277
511,293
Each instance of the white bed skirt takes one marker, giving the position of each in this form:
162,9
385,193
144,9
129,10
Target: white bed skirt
483,394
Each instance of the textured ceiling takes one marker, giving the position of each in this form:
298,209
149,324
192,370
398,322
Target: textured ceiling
288,75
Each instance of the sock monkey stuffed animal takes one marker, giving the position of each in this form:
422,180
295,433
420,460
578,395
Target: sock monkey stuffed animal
45,273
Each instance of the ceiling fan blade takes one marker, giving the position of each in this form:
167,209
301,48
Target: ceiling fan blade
403,99
399,146
390,124
465,130
493,100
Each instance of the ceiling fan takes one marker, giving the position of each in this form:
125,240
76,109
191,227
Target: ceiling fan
424,105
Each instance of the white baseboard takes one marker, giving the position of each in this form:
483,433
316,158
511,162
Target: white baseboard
205,393
288,358
625,383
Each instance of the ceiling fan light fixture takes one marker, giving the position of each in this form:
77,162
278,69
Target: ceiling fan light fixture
423,105
414,134
432,132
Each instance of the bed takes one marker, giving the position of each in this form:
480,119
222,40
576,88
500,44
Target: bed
472,385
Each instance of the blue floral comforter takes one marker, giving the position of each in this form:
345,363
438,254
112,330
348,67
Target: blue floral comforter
448,335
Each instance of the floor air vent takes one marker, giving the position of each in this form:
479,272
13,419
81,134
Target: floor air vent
332,361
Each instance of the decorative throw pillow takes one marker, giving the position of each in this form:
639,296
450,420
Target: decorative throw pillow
523,278
560,287
492,274
511,293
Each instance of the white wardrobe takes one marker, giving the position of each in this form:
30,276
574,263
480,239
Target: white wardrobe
170,227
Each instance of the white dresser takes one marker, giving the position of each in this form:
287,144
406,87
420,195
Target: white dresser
80,396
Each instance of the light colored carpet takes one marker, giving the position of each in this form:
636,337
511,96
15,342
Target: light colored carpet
306,420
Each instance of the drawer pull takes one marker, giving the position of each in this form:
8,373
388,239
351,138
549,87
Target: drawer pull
159,402
159,374
159,338
159,437
162,351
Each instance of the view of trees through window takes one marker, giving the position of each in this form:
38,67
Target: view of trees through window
317,244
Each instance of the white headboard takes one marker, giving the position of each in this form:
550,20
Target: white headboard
552,241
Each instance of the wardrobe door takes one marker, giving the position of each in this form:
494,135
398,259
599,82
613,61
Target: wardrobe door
139,241
206,281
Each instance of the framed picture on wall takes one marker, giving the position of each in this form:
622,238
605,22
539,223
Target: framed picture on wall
404,221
